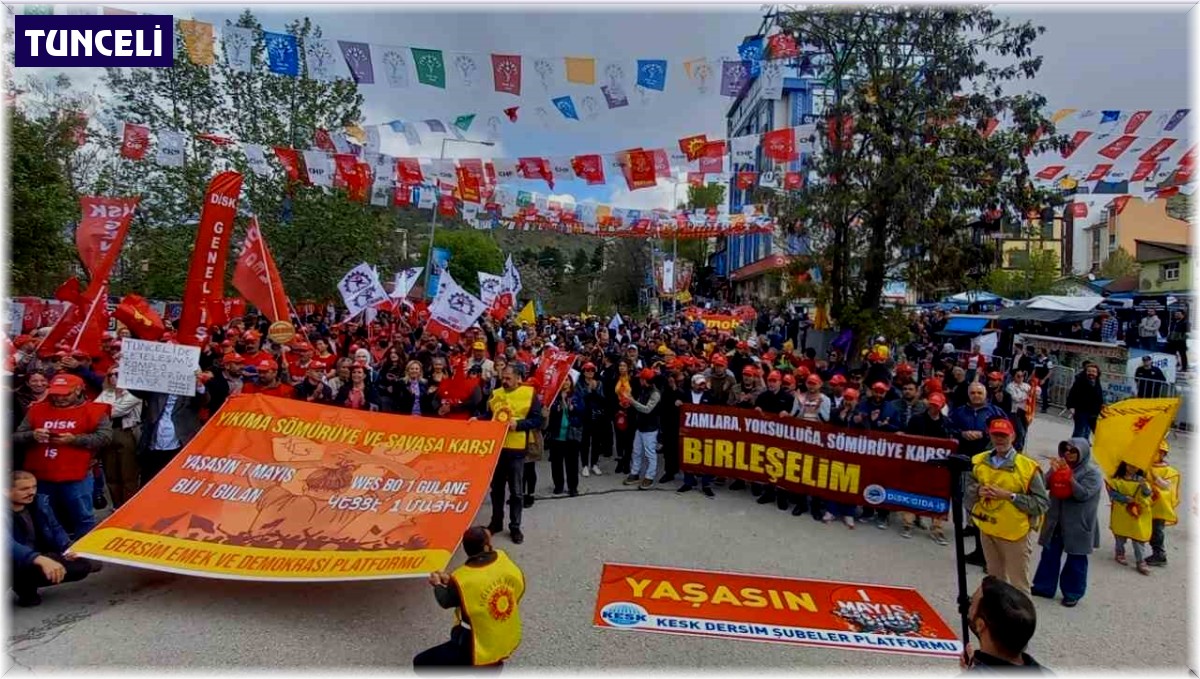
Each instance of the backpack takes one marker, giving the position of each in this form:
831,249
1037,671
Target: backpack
1059,483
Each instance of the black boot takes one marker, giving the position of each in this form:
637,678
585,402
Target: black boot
528,502
767,497
737,484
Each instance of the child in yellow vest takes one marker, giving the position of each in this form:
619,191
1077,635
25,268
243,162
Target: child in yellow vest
1131,518
1166,483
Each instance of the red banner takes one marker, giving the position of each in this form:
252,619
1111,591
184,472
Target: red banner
206,275
851,466
1116,148
847,615
780,145
552,370
1077,140
257,277
134,141
1156,150
102,230
83,324
290,160
135,313
693,147
589,168
506,76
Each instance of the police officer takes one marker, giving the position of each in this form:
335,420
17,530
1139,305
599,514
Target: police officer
486,594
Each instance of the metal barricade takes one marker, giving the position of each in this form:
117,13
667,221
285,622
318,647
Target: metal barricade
1117,387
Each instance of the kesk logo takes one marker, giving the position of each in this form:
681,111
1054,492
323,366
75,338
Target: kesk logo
81,41
624,614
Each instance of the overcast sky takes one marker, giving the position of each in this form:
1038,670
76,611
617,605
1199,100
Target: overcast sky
1093,58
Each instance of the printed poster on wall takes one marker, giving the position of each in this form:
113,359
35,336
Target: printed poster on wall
283,490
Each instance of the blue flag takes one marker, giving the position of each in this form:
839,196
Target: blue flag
441,259
566,107
1109,116
751,50
397,126
282,54
652,74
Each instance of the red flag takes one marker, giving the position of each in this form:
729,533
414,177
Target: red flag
143,322
712,159
988,127
662,166
840,131
345,168
536,168
793,181
1079,210
552,370
135,141
290,160
69,291
215,139
409,170
782,46
506,75
693,147
435,328
82,325
746,180
468,185
458,387
1143,171
1050,172
447,206
589,168
695,179
402,195
1098,173
511,113
206,274
638,166
257,278
1119,203
780,145
78,121
1116,148
1153,152
1135,121
1077,140
102,230
323,141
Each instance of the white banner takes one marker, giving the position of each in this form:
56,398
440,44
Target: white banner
454,307
256,159
320,168
170,148
490,285
158,367
405,280
512,278
361,289
16,318
668,276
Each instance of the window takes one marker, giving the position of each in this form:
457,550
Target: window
1170,271
1112,242
1096,247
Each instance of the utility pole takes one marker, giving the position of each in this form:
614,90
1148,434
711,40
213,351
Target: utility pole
433,219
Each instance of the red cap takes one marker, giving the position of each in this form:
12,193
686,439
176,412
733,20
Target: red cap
774,376
267,364
937,399
1000,426
837,379
63,384
252,336
813,379
749,371
742,345
875,357
318,364
589,366
720,360
302,346
850,394
932,385
905,369
996,376
803,372
789,381
232,357
353,348
647,374
879,388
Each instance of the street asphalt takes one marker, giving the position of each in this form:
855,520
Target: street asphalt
131,618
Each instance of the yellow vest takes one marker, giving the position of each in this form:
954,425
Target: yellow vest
1123,523
490,597
1168,499
510,407
1001,518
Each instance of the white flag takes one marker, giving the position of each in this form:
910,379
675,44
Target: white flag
320,168
512,278
742,149
170,148
325,60
238,43
373,143
615,323
361,289
411,136
490,286
444,170
405,280
454,307
668,277
256,158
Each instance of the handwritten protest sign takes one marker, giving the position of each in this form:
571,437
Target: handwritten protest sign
16,317
282,490
158,367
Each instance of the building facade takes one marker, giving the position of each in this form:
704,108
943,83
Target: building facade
1165,267
1138,220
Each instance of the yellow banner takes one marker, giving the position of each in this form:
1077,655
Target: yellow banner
581,70
1130,431
198,39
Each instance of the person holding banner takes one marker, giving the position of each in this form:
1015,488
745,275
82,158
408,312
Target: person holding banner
62,434
1007,497
698,395
775,401
519,406
168,423
486,594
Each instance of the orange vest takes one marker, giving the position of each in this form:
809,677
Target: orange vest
56,461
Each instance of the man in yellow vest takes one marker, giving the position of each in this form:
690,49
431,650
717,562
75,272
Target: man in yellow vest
486,594
1007,497
519,406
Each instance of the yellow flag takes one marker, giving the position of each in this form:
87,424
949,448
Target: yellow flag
1130,431
1062,113
581,70
357,133
527,314
198,39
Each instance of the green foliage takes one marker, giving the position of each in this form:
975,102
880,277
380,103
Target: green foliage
709,195
597,261
1041,274
1119,265
579,263
471,251
898,198
42,201
1179,206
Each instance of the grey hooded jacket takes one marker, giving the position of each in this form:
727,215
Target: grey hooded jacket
1077,515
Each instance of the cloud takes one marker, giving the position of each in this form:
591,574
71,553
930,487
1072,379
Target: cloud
663,195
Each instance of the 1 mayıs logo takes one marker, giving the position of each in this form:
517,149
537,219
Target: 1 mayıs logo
73,41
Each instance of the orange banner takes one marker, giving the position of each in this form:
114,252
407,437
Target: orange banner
283,490
765,608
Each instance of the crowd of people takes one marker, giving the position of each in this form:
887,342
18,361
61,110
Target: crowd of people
616,413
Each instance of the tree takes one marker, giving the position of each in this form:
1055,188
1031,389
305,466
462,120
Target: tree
1179,206
43,203
471,251
579,263
709,195
597,261
908,158
1119,265
1040,274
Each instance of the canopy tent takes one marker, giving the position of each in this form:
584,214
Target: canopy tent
1053,309
965,325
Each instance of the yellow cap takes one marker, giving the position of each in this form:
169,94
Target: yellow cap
479,345
1164,446
662,350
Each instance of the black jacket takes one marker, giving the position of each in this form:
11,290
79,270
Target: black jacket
1087,398
773,403
922,424
402,399
306,389
185,416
